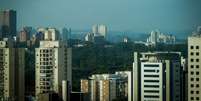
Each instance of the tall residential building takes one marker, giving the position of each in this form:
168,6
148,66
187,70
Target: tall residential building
99,30
156,37
66,33
108,87
8,23
12,63
51,34
24,34
194,67
53,65
157,76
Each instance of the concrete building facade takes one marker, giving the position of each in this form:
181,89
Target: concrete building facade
194,64
53,65
157,76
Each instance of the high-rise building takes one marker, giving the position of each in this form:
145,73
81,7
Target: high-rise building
24,34
66,33
157,76
53,65
99,30
12,63
194,67
156,37
108,87
8,23
51,34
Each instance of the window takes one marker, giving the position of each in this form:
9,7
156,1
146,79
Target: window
197,85
197,66
192,92
197,73
192,73
197,60
192,66
197,54
192,53
197,79
192,60
192,85
192,79
197,98
197,47
197,92
192,98
192,47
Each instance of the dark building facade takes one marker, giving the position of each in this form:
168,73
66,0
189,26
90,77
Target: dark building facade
7,23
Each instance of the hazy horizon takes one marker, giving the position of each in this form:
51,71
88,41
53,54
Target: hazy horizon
175,16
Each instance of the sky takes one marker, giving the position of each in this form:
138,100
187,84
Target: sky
176,16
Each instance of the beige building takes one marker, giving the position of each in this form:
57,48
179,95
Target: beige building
157,76
12,63
84,86
108,87
52,65
194,64
24,34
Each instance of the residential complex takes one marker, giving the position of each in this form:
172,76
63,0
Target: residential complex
108,87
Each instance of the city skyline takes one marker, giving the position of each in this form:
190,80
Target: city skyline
138,16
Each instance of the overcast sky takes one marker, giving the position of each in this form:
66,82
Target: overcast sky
120,15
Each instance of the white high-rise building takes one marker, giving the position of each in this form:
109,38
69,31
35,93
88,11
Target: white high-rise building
52,66
51,34
194,67
156,37
99,30
157,76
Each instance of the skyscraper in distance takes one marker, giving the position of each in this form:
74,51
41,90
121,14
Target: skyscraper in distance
99,30
8,23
